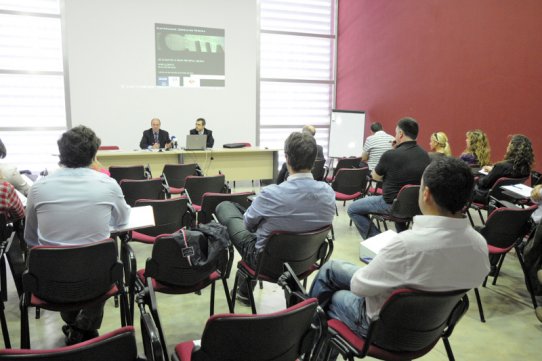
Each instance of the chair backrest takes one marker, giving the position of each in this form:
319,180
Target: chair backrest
496,190
169,266
279,336
300,250
108,147
119,345
350,181
505,226
210,201
405,205
170,215
413,320
176,173
318,169
69,274
127,172
141,189
196,186
347,163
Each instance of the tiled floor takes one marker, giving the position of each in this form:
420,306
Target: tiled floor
512,332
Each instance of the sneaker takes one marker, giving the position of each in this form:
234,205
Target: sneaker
241,298
73,335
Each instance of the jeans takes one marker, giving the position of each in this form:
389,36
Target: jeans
360,210
332,289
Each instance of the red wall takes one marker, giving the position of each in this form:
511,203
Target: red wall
454,65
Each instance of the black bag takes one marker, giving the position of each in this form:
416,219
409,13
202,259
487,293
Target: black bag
532,256
203,245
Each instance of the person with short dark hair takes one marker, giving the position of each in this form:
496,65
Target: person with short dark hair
442,252
155,138
75,205
300,204
10,173
396,168
201,130
375,145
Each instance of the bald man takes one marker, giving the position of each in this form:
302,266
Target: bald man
155,138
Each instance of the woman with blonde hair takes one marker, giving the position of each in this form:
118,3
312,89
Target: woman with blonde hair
439,145
478,151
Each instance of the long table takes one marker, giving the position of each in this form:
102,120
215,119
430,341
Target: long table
236,164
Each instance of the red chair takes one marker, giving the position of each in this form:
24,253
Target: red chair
281,336
108,147
505,229
305,252
196,186
71,278
142,189
175,175
350,184
119,173
408,326
404,207
210,201
118,345
344,163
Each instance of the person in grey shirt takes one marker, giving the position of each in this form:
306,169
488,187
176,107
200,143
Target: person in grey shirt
300,204
75,205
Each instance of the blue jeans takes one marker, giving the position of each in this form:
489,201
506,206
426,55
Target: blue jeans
332,289
360,210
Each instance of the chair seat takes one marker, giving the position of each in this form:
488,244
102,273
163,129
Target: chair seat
329,179
373,190
498,250
184,350
174,289
261,276
357,342
196,207
476,205
38,302
140,237
173,190
347,197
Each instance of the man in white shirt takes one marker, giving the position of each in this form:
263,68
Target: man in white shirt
442,252
375,145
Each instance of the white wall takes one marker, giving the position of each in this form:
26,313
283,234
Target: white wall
111,65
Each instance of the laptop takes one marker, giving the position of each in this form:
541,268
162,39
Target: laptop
196,142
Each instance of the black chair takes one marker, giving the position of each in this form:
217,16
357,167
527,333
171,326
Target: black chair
319,169
142,189
504,230
342,163
350,184
196,186
119,173
305,252
495,192
282,336
408,326
71,278
118,345
404,207
210,201
175,175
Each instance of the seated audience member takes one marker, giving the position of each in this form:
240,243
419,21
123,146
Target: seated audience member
300,204
442,252
283,173
201,130
439,146
517,163
10,204
10,174
155,138
375,145
396,168
74,206
478,151
536,196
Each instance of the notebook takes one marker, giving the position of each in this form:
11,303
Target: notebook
196,142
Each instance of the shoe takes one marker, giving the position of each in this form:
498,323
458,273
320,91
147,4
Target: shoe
73,335
493,271
241,298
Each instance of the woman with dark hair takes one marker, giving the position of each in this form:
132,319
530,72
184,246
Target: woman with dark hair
10,174
517,163
477,152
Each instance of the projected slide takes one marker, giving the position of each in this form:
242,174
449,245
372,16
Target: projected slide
189,56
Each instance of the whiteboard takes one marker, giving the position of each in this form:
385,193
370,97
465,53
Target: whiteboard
346,133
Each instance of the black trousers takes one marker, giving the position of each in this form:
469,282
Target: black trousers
86,319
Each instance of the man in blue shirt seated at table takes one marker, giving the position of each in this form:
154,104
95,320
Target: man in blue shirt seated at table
300,204
75,206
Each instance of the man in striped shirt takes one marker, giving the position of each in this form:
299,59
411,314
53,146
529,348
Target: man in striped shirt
375,145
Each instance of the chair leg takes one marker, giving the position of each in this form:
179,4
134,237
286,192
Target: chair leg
470,218
25,328
227,292
260,282
234,292
212,307
527,278
336,210
481,216
448,348
499,265
251,295
5,331
479,302
38,313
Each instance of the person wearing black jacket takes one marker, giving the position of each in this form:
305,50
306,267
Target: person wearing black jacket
155,138
201,130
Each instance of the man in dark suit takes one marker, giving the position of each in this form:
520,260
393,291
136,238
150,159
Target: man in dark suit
201,130
155,137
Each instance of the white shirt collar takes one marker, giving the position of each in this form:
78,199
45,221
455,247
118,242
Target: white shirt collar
300,176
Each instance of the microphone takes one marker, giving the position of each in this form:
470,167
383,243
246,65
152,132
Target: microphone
173,141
